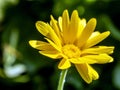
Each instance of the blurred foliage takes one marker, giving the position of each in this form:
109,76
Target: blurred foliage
22,67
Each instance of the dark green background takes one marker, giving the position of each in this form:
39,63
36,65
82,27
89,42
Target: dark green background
18,19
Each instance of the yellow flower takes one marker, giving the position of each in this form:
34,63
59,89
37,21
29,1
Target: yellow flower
73,41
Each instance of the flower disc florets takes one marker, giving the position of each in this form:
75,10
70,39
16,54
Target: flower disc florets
71,51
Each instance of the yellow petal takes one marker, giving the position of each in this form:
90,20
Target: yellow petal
40,45
64,64
60,23
56,28
54,45
86,33
93,73
42,27
92,59
51,54
65,20
82,24
96,39
84,72
82,60
47,31
73,28
98,50
87,72
99,59
65,24
54,25
94,34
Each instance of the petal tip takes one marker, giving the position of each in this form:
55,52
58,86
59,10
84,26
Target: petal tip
32,43
65,11
93,20
75,11
108,33
37,23
111,60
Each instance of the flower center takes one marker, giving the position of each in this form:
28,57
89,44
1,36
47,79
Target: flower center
71,51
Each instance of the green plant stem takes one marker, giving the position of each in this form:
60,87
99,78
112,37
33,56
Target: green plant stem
62,79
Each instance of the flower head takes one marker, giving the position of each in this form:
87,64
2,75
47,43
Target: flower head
73,41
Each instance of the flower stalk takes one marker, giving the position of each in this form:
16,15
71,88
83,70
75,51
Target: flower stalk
62,79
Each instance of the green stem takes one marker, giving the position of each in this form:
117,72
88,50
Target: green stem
62,79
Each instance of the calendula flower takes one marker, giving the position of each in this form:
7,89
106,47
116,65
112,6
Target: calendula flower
73,41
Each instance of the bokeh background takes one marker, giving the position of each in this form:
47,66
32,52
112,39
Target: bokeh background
23,68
